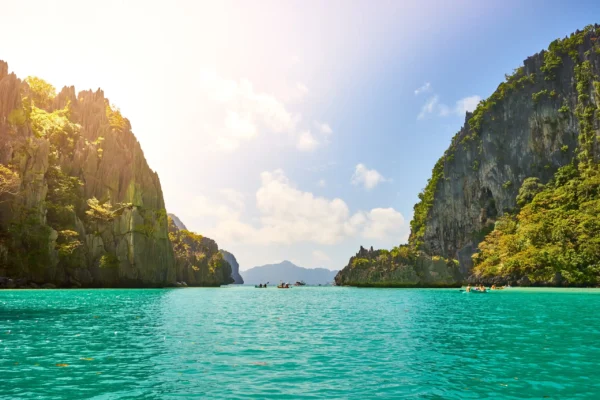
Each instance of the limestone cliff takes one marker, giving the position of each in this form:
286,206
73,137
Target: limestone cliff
198,259
540,119
235,267
87,210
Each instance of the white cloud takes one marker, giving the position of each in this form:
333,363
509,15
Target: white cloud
301,88
221,209
241,113
307,142
368,178
322,183
467,104
288,215
319,256
428,107
247,111
240,126
433,106
443,110
425,88
324,128
233,197
383,223
237,113
227,144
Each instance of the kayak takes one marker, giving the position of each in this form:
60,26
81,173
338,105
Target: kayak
475,291
283,287
260,287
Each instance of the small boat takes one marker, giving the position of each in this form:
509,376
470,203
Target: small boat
300,283
261,286
283,286
475,290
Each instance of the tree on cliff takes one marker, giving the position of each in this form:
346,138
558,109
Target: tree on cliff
9,182
555,237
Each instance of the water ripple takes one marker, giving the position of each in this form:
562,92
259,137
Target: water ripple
305,343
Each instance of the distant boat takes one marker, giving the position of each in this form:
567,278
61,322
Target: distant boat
475,290
300,283
283,286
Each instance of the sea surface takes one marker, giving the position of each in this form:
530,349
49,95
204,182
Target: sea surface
305,343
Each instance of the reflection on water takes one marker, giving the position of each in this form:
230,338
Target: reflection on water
239,342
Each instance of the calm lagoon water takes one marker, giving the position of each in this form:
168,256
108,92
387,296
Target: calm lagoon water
241,342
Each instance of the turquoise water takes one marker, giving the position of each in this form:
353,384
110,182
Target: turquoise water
241,342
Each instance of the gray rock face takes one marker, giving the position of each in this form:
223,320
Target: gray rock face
526,129
235,267
521,137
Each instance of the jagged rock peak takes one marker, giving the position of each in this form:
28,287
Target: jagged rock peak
177,222
235,267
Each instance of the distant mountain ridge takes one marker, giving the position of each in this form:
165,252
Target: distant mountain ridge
288,272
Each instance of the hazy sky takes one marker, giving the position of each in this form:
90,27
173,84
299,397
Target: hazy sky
292,130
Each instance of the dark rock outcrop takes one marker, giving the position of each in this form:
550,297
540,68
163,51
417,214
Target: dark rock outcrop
380,268
198,259
235,267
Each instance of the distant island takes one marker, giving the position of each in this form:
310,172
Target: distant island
287,271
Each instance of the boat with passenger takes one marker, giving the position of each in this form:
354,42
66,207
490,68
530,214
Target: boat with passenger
475,289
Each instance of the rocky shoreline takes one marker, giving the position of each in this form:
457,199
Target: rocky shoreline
523,281
9,283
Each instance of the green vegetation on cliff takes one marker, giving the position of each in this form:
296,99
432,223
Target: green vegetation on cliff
555,236
29,235
198,259
79,205
400,267
519,80
542,119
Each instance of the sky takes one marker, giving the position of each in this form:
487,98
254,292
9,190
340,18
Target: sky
288,130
